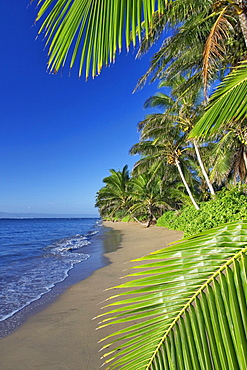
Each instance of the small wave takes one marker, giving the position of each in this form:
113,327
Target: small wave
36,282
35,264
67,244
42,275
91,233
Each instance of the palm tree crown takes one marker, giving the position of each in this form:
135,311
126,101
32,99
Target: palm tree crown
114,196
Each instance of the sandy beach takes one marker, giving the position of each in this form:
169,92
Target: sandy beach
63,335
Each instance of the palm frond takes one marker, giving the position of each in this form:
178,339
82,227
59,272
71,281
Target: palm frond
183,50
228,103
115,195
159,100
186,309
214,48
93,30
221,159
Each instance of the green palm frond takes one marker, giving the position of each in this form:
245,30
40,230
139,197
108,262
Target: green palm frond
228,156
193,24
228,103
115,195
221,159
151,120
93,30
182,51
159,100
186,309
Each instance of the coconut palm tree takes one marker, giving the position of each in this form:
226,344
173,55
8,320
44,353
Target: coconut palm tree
225,119
114,197
148,198
207,37
182,109
164,148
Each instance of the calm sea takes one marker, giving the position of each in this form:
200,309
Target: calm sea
36,255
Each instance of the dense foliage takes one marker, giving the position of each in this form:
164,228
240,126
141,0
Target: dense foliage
228,205
140,198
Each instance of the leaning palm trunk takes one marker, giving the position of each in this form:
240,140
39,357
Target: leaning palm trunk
243,20
151,216
188,306
211,189
136,219
185,184
139,222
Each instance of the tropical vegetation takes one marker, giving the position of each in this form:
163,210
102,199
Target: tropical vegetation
113,199
138,198
229,205
186,307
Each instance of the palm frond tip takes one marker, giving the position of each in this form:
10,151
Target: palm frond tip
93,30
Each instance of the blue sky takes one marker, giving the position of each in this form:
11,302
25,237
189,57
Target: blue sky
60,135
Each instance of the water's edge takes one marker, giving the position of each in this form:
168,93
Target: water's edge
106,241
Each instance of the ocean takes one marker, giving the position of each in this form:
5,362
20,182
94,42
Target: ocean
40,258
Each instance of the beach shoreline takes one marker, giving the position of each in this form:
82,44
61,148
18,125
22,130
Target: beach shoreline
102,242
63,335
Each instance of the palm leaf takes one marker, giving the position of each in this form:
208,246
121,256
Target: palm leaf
187,307
181,52
228,103
93,30
214,48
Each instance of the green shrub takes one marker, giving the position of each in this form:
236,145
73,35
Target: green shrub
166,220
228,205
127,218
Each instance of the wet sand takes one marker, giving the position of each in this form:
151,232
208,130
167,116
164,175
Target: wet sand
63,335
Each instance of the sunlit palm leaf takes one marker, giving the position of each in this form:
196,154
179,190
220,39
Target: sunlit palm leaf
188,310
93,31
227,103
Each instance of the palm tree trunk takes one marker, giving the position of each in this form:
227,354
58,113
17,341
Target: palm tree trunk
151,216
211,189
186,185
149,220
243,20
245,160
136,219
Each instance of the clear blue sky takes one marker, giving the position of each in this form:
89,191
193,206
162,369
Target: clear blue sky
60,135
